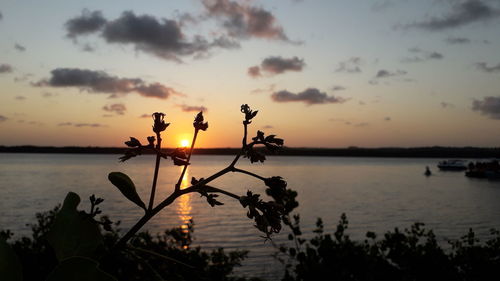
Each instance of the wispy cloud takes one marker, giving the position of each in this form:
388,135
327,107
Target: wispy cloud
3,118
244,20
276,65
457,40
82,125
488,106
6,68
101,82
269,89
422,55
338,88
351,65
386,73
460,14
444,104
482,66
118,108
19,47
310,96
190,108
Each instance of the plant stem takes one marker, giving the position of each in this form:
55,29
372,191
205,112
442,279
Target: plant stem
208,188
178,184
169,200
178,192
155,176
243,144
248,173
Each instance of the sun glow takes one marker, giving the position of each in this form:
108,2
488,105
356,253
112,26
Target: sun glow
184,143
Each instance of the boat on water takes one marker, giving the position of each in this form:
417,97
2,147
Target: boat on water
484,170
452,165
427,172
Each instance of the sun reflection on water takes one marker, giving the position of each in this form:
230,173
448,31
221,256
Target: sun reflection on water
184,204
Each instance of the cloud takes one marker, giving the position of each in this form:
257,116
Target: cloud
23,77
101,82
245,21
422,55
1,16
276,65
80,125
254,71
489,106
3,118
457,40
463,13
89,22
387,118
118,108
309,96
338,88
382,5
145,116
19,47
190,108
267,127
48,95
446,104
269,89
351,65
482,66
385,73
361,124
6,68
160,37
20,97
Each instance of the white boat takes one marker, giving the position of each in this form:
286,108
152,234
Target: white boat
452,165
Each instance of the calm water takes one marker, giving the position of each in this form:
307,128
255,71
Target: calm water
377,194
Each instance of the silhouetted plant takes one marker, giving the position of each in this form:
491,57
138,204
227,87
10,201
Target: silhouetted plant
412,254
79,245
148,257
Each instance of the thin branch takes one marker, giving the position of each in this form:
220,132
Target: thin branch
243,144
155,177
178,184
248,173
208,188
160,256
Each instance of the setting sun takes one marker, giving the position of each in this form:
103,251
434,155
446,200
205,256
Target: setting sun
184,143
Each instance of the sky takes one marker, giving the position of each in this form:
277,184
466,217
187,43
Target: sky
321,73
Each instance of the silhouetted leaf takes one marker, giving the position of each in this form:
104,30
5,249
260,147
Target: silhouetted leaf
133,142
10,268
179,161
73,233
79,269
127,187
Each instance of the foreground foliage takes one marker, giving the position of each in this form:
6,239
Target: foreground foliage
148,257
412,254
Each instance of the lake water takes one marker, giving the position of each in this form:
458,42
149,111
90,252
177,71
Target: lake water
377,194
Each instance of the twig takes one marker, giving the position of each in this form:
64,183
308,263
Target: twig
155,177
178,184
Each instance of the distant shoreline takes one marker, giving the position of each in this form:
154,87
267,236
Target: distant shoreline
412,152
